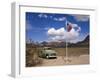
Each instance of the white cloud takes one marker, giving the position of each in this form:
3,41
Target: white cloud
56,32
61,34
60,19
76,26
43,15
81,17
51,17
55,19
72,34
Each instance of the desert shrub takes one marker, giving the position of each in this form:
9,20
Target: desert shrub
32,58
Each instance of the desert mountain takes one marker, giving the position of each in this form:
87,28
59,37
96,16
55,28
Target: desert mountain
84,43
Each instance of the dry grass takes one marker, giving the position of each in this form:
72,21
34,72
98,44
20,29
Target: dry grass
32,58
60,51
77,51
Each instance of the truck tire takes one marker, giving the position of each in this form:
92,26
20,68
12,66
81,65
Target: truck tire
47,57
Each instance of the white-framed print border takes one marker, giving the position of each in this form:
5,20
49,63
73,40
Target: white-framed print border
18,40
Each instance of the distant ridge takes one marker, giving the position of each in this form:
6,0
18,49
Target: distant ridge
84,43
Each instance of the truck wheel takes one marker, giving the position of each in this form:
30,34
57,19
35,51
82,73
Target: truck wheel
47,57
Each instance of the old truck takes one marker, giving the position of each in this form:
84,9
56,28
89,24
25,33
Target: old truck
47,52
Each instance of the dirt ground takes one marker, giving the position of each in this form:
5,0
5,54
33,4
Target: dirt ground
80,60
76,56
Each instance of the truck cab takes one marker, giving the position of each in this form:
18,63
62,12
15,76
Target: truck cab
47,52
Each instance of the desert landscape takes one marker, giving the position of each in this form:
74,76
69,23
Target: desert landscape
54,39
77,54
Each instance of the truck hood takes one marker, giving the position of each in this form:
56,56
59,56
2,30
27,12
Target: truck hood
50,51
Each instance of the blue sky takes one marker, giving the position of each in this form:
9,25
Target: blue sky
38,24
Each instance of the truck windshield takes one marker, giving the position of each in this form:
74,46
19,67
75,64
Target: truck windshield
49,48
53,54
